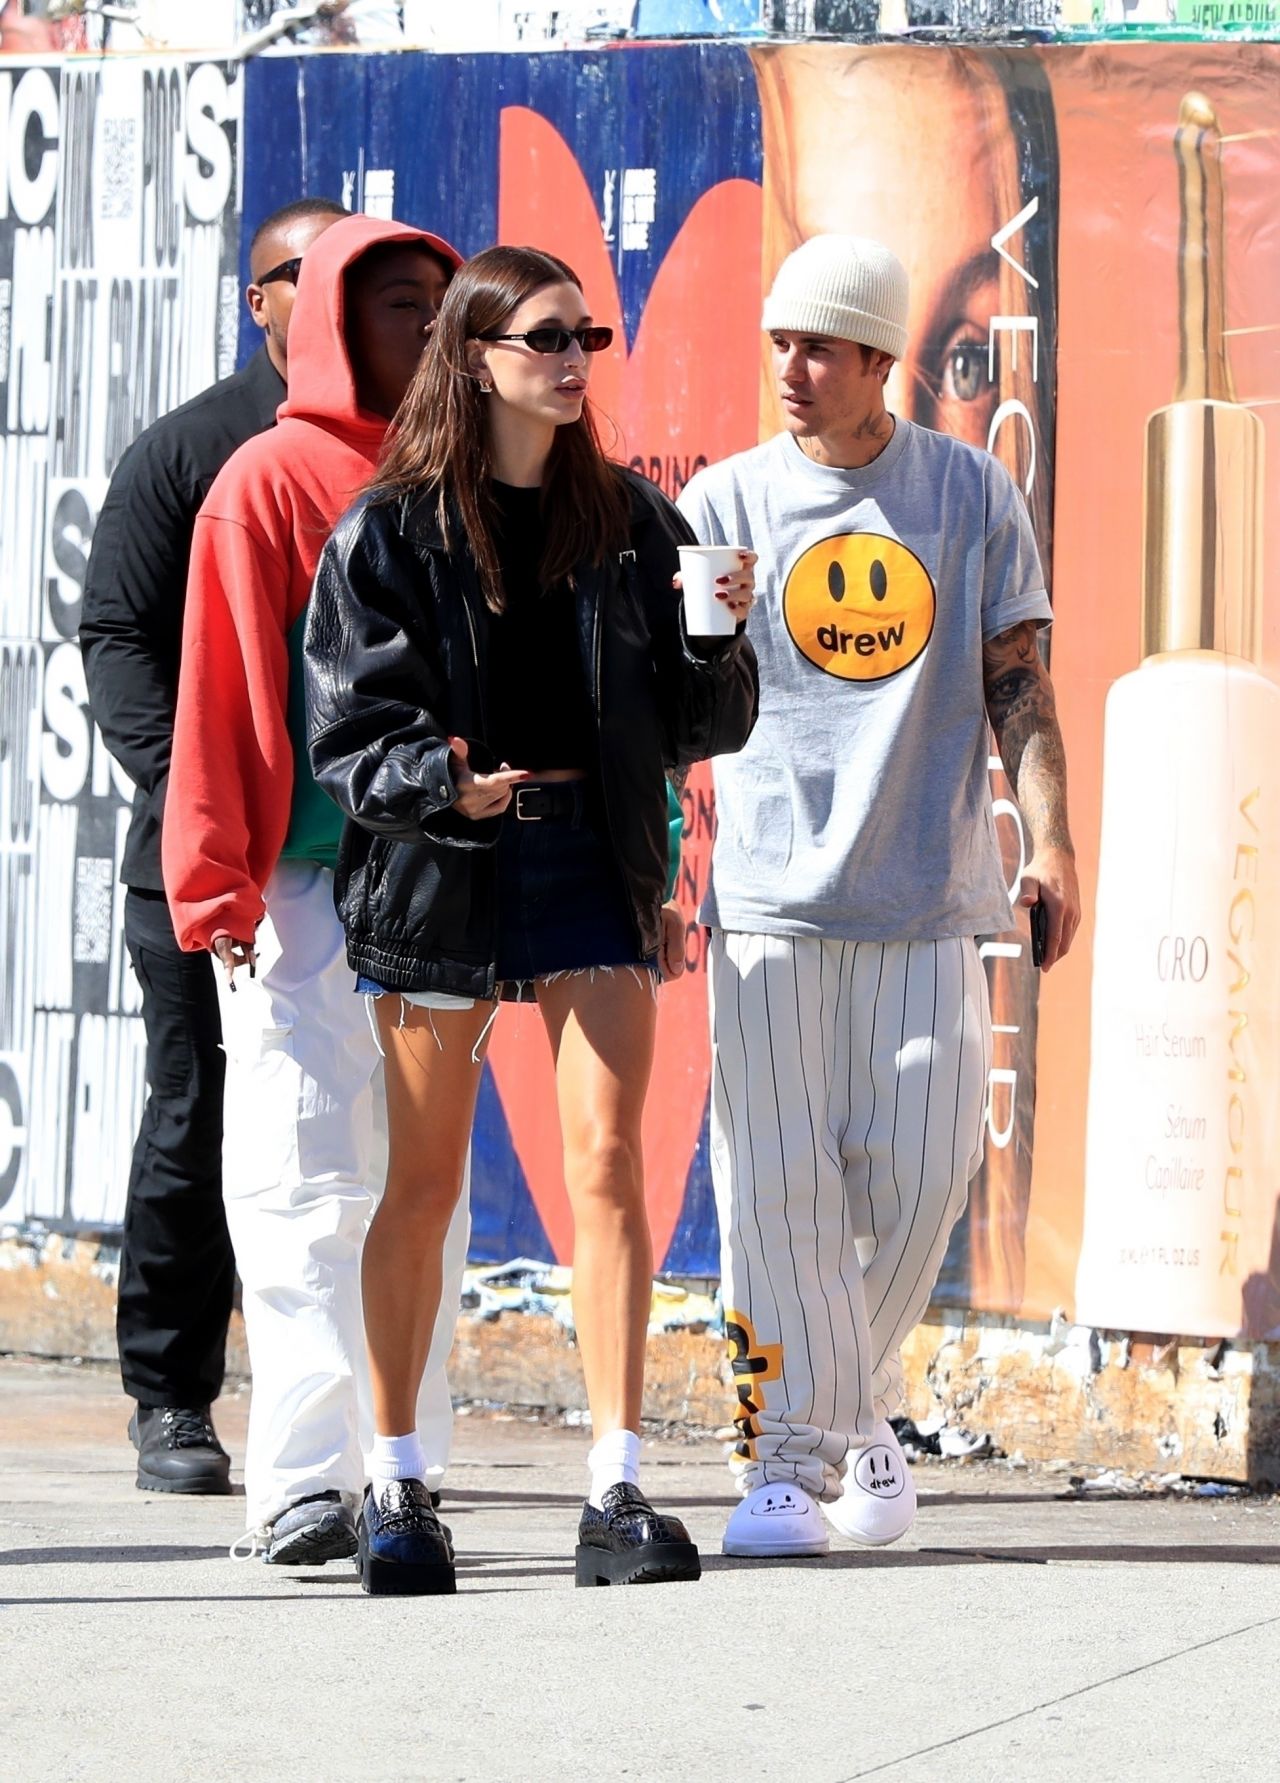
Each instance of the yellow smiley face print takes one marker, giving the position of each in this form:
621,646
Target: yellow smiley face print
859,606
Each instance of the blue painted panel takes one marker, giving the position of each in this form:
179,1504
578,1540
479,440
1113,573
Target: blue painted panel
695,1243
504,1221
335,126
320,123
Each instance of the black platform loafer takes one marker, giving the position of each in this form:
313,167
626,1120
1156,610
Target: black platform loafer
629,1543
404,1550
179,1451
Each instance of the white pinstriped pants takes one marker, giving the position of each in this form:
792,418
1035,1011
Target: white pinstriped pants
848,1092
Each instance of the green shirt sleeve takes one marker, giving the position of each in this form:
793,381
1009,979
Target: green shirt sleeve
675,830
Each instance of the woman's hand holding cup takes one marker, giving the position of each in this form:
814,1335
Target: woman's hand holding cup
719,585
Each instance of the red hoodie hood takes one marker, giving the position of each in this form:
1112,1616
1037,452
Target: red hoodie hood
322,386
253,557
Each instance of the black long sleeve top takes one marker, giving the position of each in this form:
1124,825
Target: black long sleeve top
136,586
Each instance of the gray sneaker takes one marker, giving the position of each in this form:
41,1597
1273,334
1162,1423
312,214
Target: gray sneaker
312,1531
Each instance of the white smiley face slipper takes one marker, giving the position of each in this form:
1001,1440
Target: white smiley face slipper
878,1504
776,1522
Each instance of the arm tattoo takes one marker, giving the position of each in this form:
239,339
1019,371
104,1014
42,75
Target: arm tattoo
1023,715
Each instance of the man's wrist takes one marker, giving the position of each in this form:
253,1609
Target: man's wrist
1059,843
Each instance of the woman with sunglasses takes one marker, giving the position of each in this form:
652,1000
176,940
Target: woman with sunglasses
498,680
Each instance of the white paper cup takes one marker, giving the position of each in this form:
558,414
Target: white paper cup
704,615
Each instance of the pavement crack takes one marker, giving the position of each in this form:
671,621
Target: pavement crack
1053,1702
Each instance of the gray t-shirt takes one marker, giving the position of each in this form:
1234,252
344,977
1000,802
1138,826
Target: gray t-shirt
860,809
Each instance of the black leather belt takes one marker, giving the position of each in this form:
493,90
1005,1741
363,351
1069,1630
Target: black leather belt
551,803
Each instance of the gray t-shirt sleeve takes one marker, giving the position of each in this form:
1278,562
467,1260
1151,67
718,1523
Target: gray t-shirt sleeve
1012,582
694,502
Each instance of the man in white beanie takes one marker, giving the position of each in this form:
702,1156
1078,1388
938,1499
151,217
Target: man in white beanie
899,599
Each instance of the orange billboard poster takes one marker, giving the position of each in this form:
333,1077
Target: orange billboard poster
1159,1065
1092,250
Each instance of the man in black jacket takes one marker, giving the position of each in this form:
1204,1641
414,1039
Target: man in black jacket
177,1272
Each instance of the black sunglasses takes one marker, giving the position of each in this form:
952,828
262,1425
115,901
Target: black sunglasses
556,340
287,269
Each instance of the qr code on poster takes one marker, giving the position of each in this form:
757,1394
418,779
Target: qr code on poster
91,938
119,169
228,323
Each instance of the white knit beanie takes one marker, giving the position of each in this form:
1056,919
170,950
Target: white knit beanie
846,286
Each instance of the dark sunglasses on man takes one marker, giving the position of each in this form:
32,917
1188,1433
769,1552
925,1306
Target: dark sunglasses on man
556,340
287,269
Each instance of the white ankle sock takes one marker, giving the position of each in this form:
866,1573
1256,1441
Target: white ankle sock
396,1458
613,1460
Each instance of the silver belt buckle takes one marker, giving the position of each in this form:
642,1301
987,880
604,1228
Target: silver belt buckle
521,815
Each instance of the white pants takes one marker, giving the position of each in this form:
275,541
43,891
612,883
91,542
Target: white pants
304,1163
847,1102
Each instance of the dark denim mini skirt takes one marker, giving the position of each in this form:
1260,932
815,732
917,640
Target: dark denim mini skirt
562,902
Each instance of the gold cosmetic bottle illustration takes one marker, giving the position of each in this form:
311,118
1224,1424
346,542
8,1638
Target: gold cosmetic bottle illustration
1181,1163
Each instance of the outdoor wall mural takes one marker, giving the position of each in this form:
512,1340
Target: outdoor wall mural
1056,206
118,299
643,171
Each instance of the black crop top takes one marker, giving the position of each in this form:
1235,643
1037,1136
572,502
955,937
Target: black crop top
539,707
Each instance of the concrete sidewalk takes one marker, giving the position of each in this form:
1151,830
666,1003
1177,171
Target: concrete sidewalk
1016,1634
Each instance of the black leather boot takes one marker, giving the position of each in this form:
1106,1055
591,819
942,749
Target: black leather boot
629,1543
179,1451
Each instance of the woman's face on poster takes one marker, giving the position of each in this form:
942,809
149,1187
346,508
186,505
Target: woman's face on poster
909,163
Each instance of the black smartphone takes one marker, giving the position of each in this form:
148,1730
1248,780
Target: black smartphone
1039,931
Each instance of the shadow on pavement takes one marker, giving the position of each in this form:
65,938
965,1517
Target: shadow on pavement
1123,1553
107,1554
496,1572
929,1499
47,1603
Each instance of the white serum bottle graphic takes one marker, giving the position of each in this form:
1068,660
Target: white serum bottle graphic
1181,1168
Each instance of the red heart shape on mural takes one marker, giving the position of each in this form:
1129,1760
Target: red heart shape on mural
688,390
521,1060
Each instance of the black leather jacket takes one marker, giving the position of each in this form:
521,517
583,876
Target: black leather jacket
396,663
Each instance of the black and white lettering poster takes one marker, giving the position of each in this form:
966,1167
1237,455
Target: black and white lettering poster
119,205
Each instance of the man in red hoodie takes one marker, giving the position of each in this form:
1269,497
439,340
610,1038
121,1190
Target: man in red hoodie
249,846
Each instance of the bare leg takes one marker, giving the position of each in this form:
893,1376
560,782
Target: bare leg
431,1094
601,1028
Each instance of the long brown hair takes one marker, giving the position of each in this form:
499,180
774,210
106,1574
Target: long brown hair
439,440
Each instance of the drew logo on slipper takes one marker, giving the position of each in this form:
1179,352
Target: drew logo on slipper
879,1471
780,1503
